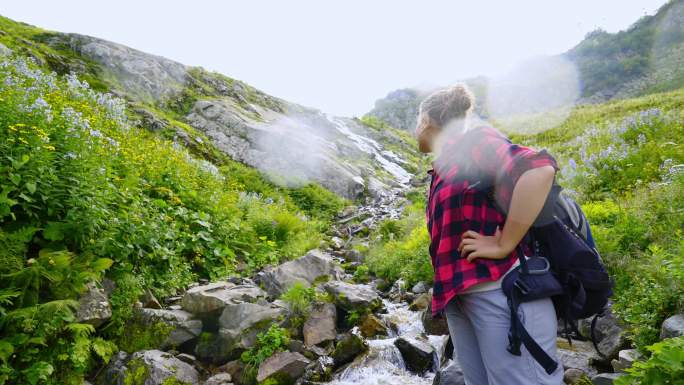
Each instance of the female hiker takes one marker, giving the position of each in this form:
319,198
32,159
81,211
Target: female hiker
484,195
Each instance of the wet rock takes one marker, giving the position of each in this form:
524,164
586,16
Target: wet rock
420,288
158,368
320,370
672,327
435,326
419,356
421,302
573,376
347,349
605,378
240,323
452,374
93,306
626,359
213,297
219,379
283,366
353,297
185,328
320,325
371,326
398,291
315,265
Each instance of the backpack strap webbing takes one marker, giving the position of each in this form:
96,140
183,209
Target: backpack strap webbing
518,335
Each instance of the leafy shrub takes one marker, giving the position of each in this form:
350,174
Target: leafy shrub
299,299
82,193
665,366
274,340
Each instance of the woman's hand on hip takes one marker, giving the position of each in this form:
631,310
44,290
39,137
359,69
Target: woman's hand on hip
475,245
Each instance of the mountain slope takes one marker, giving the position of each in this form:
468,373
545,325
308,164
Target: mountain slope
645,58
292,143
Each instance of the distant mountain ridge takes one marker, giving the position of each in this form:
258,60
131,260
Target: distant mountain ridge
645,58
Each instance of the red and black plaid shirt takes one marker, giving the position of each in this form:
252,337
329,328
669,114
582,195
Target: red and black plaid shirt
471,189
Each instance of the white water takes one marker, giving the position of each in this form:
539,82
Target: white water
383,364
373,148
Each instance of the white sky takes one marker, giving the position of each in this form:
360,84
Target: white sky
339,56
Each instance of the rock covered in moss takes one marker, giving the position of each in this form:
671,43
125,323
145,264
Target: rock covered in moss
351,297
347,348
183,326
371,326
434,326
150,367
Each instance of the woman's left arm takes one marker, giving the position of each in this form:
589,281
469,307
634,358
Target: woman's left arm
527,201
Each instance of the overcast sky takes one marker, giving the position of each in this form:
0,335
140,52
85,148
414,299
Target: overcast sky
339,56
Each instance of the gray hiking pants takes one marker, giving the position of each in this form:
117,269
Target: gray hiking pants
478,324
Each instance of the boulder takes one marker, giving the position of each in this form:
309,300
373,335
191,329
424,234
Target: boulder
421,302
234,368
605,378
419,356
420,288
158,368
352,297
285,367
219,379
371,326
626,359
185,328
320,370
452,374
213,297
434,326
240,323
315,265
578,356
320,324
347,348
672,327
611,337
573,376
93,306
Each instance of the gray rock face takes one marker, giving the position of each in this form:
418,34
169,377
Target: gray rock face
605,378
320,325
350,297
626,359
452,374
215,296
578,356
419,356
219,379
420,288
307,269
93,306
185,327
240,323
289,365
146,76
159,367
610,335
673,327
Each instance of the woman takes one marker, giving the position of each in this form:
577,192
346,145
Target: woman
484,195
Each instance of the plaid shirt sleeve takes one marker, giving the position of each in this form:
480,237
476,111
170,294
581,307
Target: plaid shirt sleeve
455,205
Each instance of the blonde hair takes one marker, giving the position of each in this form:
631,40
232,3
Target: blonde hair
445,105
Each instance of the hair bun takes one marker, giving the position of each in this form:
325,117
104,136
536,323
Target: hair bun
447,104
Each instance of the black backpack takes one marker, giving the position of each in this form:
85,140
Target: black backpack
565,266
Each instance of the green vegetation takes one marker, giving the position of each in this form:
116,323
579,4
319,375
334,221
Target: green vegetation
400,247
83,194
665,366
299,299
274,340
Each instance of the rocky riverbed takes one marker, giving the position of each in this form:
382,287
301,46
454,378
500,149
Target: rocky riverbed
392,341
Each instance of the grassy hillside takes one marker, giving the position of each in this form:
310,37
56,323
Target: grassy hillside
86,195
624,161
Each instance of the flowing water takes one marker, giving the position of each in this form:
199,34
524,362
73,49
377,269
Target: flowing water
383,364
